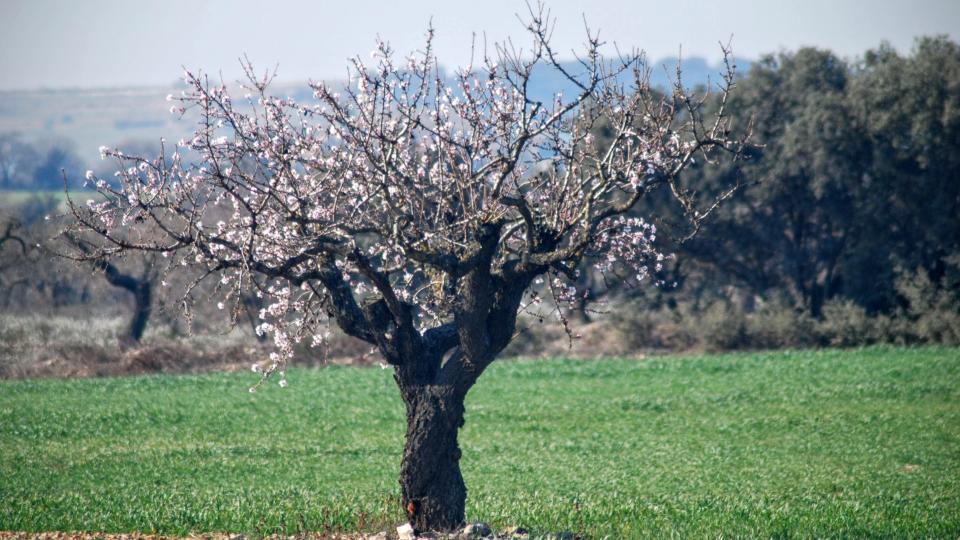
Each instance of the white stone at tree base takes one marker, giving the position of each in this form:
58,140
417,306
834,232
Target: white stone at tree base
405,532
475,530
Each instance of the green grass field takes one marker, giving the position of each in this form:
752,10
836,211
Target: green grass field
17,197
862,443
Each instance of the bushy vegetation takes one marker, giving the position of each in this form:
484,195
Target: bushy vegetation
816,444
930,313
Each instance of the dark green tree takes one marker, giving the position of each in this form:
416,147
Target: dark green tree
909,108
856,180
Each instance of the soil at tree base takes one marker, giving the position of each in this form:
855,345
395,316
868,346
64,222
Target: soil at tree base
8,535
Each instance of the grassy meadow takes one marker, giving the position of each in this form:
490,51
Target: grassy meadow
855,443
15,198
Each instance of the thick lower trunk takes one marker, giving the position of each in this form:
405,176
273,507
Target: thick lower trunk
143,305
434,495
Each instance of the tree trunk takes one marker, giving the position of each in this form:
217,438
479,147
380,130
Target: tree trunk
434,495
143,305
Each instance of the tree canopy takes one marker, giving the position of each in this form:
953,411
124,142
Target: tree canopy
416,213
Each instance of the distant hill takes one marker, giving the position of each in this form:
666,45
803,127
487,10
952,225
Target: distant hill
695,72
88,118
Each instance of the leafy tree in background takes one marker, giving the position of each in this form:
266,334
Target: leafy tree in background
56,162
856,179
789,229
909,108
417,216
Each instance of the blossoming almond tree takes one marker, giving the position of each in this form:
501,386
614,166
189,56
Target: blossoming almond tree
415,213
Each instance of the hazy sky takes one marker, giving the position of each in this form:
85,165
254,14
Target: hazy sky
94,43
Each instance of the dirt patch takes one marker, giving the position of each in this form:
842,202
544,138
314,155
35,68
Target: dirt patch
207,536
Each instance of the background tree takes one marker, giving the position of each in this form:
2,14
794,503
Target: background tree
56,162
15,254
140,287
788,230
840,201
909,107
415,214
31,278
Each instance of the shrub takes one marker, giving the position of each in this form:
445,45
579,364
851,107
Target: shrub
722,327
932,307
845,324
777,325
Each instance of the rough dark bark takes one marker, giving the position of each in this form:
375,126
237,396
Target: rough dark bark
142,297
433,491
434,494
143,306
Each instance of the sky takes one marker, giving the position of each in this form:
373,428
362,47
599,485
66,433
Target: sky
107,43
